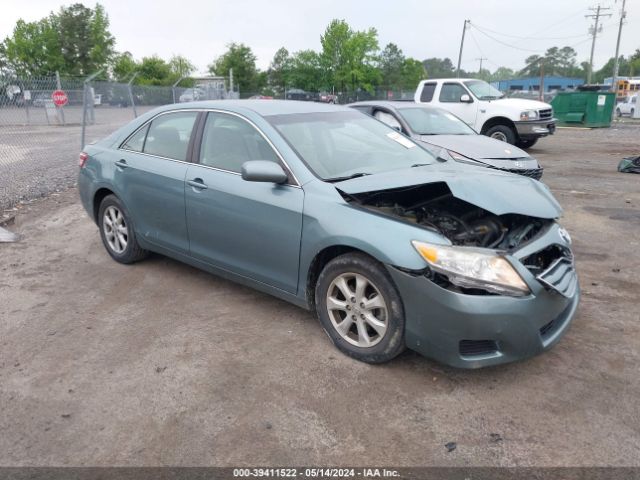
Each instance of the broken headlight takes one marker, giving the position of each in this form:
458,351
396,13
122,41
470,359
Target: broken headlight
470,267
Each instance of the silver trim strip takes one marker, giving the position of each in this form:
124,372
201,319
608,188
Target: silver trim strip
215,110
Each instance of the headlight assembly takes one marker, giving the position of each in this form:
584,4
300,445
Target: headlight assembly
470,267
529,115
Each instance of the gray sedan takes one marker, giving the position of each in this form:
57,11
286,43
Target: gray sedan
438,129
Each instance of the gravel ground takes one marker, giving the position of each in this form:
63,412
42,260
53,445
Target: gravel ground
38,160
161,364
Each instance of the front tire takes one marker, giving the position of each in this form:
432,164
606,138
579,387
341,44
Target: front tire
360,308
503,133
618,113
117,233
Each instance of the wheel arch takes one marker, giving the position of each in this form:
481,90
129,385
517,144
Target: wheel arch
492,122
320,260
100,195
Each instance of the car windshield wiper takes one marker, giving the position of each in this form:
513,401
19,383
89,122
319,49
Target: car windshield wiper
347,177
490,97
420,165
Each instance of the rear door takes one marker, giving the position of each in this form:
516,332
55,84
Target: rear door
250,228
150,172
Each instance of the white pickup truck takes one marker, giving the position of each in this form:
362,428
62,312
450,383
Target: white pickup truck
514,120
628,107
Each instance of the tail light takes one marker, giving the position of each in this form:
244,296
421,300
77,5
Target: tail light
82,160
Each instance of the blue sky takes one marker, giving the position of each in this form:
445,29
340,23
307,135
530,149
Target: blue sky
200,29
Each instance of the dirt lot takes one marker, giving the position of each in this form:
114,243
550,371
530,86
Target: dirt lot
161,364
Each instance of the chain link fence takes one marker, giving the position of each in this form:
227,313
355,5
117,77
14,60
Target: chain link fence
40,141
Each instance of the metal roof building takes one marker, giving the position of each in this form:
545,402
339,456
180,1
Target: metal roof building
533,83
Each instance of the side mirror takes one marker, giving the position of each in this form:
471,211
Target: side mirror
263,171
464,98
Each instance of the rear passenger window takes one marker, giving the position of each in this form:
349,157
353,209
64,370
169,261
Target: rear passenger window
427,92
169,135
229,141
136,141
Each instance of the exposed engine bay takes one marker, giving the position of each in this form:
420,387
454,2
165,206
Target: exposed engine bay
433,206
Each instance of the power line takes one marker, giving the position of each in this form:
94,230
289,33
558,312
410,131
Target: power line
503,43
530,37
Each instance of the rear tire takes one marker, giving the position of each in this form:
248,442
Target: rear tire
117,232
360,308
618,113
524,144
503,133
633,110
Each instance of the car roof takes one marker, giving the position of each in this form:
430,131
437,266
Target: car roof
262,107
397,104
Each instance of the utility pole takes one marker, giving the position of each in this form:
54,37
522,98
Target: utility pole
616,65
594,31
481,59
464,29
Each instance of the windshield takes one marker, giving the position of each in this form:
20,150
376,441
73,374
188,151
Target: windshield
483,90
434,121
341,144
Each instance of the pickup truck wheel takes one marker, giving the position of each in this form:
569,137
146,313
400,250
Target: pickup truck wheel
502,133
618,113
524,144
633,110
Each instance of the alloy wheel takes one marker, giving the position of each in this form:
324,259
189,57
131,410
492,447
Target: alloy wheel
357,309
115,229
499,136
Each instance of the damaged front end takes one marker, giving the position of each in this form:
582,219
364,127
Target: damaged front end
483,244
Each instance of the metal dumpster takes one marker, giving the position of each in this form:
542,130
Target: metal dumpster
584,108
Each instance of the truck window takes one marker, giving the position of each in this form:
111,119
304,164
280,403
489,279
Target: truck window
451,93
427,92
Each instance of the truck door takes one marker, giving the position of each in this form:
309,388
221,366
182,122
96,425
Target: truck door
459,101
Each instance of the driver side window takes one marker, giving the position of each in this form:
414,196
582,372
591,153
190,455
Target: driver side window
451,93
229,141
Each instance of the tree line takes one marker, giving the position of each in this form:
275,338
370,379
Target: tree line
76,41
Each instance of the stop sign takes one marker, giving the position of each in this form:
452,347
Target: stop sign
59,98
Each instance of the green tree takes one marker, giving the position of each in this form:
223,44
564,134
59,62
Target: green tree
348,57
412,71
241,59
503,73
279,69
123,66
439,67
74,41
33,49
391,62
154,70
181,66
556,61
305,71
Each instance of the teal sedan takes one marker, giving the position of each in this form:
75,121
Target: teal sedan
332,210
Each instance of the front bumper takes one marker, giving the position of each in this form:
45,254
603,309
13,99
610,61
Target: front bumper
536,128
442,324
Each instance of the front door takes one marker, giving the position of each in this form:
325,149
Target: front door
450,99
250,228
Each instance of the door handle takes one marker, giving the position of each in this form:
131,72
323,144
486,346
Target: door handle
197,183
122,164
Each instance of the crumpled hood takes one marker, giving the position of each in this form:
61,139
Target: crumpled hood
476,146
497,192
